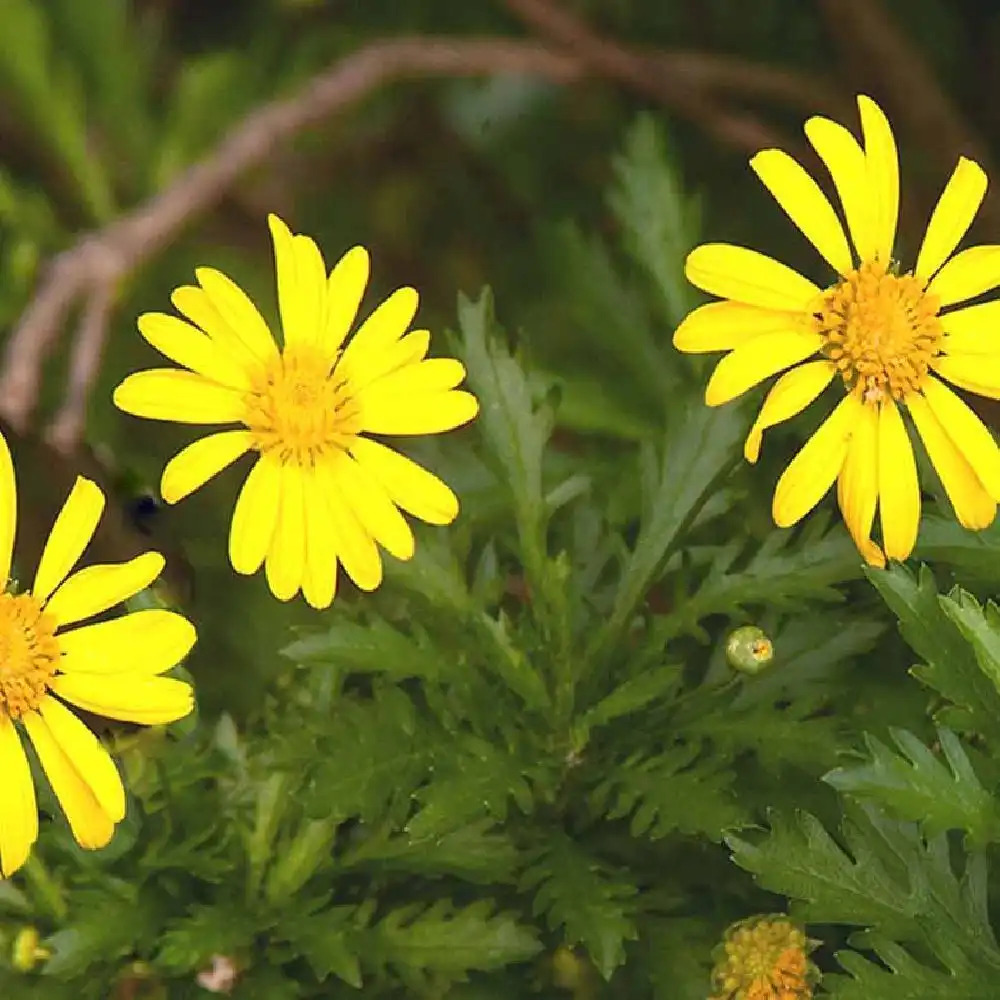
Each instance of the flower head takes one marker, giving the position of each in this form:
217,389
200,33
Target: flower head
322,491
763,958
49,659
892,339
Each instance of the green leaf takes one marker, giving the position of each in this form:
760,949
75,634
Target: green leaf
330,941
634,694
389,752
700,448
779,574
372,648
889,878
594,904
903,977
916,785
659,223
477,852
950,663
981,630
472,778
672,792
447,942
516,430
612,329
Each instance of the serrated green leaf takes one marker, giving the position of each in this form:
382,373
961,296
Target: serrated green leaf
375,648
700,448
472,778
950,665
477,852
594,904
659,224
902,977
634,694
980,628
447,942
672,792
889,879
329,941
917,786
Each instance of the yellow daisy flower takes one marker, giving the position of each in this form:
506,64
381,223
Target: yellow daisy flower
321,491
48,659
895,339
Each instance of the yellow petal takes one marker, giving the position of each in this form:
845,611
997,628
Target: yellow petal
805,204
319,582
898,486
289,300
953,214
883,174
972,329
70,535
188,346
377,514
8,511
255,516
974,372
434,413
94,589
967,432
757,360
426,377
815,468
238,313
356,548
408,352
192,302
301,284
180,396
845,160
857,484
286,556
974,507
148,701
732,272
380,331
90,760
721,326
143,642
91,825
790,395
18,811
344,291
194,465
409,486
968,274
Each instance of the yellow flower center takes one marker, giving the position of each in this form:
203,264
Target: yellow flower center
881,330
29,653
764,958
299,409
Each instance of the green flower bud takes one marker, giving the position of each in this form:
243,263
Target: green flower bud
27,951
749,650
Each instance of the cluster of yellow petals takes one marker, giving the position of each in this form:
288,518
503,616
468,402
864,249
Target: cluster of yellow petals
764,958
901,342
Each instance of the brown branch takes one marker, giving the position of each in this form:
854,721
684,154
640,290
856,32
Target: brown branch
91,270
684,81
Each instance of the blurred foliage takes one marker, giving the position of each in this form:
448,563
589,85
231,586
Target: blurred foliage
525,766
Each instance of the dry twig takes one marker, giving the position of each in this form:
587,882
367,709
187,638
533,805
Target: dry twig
89,273
692,84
